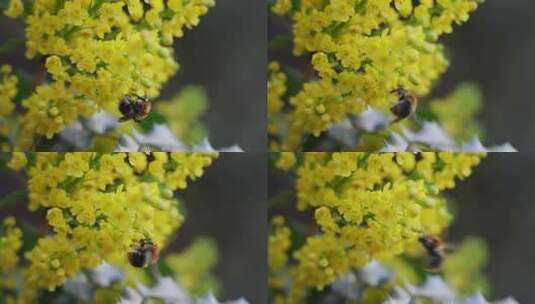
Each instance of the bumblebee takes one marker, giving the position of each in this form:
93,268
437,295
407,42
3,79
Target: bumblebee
434,248
144,254
134,107
406,105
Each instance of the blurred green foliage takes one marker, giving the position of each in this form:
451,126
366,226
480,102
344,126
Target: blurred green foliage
193,267
463,268
183,113
457,112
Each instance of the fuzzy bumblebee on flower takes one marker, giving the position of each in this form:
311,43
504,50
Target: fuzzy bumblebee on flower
99,68
357,227
346,75
100,227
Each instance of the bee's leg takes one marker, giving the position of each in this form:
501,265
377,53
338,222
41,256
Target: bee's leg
435,260
399,92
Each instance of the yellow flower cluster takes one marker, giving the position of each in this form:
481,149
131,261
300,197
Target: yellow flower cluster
8,91
99,51
286,160
276,90
50,108
18,160
279,242
282,7
10,243
367,206
362,51
15,9
100,205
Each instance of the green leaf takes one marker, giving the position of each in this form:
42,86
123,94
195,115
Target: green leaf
4,159
10,45
70,183
296,6
280,42
287,197
28,7
93,10
58,6
24,86
436,10
167,14
30,235
12,198
3,5
164,269
153,119
335,28
360,7
372,141
104,143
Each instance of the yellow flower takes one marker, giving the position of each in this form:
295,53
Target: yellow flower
138,161
282,7
404,7
55,68
15,9
10,243
56,219
279,243
286,161
18,161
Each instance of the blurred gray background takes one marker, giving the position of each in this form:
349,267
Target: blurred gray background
495,50
226,54
227,204
498,203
